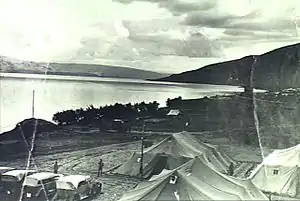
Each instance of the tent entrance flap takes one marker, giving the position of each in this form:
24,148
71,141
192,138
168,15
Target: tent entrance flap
159,165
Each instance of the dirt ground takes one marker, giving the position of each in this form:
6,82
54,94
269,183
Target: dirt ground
85,162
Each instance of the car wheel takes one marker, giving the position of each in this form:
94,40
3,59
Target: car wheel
76,198
97,189
92,190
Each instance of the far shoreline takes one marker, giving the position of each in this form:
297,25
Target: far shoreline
105,79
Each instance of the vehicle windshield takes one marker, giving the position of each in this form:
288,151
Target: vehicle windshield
8,178
30,182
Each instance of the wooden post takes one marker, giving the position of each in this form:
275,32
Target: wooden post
33,93
142,152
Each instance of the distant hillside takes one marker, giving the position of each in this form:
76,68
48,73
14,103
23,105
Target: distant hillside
277,69
8,65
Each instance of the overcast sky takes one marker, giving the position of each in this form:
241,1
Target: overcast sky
160,35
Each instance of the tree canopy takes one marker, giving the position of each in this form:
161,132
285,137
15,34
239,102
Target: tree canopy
117,111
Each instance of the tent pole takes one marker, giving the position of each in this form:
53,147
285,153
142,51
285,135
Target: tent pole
142,151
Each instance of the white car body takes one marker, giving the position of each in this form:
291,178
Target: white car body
40,185
78,187
13,180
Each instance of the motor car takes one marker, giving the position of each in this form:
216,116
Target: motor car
2,171
12,182
77,187
5,169
40,186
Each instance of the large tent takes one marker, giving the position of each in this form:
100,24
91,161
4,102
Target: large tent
194,180
185,145
172,152
279,172
152,164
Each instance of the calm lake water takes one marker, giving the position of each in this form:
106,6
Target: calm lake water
57,93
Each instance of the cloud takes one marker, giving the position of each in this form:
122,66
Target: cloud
264,25
239,32
140,45
242,34
177,7
245,14
172,35
46,30
250,22
204,19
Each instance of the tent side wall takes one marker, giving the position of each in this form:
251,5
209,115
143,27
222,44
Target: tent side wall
132,166
145,191
203,172
152,164
277,179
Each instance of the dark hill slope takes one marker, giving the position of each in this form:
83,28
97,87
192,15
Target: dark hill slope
277,69
28,126
18,140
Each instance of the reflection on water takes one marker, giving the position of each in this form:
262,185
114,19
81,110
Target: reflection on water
57,95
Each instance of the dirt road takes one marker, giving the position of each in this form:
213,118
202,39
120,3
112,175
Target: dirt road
85,162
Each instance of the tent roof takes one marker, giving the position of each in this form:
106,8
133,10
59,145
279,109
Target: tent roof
244,188
194,181
278,173
172,152
186,145
289,157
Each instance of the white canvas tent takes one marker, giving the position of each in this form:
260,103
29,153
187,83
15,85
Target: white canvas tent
173,152
279,172
194,180
185,145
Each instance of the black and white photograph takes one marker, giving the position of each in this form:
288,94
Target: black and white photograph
149,100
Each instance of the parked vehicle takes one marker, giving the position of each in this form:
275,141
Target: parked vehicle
40,186
2,171
12,182
77,187
5,169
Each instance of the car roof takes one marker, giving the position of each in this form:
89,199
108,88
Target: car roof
74,179
43,175
18,173
5,169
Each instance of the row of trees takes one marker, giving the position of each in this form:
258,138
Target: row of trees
174,102
117,111
278,113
